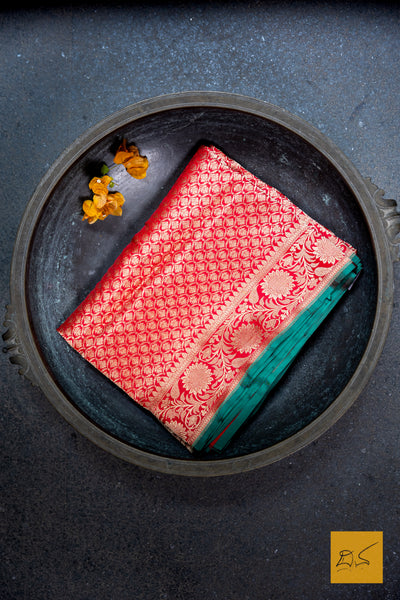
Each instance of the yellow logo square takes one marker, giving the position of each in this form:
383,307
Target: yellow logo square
356,557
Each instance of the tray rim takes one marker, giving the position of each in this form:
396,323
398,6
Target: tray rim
24,340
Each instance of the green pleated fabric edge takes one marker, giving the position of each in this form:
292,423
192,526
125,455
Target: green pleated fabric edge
271,365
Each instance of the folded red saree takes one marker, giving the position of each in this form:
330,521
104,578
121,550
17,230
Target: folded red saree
211,301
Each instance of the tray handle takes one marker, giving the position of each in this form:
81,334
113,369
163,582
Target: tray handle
390,217
13,346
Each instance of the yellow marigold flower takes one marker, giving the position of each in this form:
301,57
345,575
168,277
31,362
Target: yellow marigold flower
135,164
92,213
137,167
99,200
103,205
114,204
99,185
104,202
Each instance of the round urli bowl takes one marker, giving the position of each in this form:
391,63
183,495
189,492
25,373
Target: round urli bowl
58,259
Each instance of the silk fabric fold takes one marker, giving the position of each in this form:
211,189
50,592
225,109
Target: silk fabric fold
210,303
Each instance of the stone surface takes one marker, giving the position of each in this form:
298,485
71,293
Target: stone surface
77,522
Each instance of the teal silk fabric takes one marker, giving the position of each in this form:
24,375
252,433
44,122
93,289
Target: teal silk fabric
277,357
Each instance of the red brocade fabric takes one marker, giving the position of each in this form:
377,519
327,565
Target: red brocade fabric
220,269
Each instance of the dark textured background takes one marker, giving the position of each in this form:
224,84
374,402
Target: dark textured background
78,523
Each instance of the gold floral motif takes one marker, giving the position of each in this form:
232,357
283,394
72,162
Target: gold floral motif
327,250
277,284
196,378
247,337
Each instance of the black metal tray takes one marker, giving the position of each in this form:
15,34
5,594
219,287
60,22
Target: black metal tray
58,259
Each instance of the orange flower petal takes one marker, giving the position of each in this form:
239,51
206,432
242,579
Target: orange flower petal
121,156
135,164
122,153
104,203
99,200
89,208
117,197
117,212
106,179
99,185
133,150
137,172
136,161
110,206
